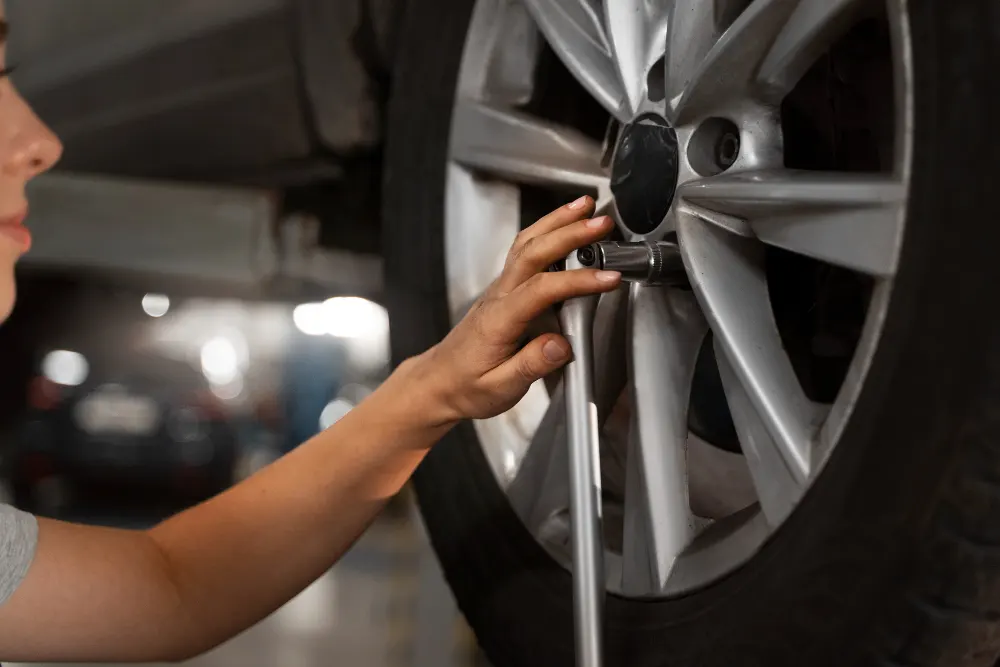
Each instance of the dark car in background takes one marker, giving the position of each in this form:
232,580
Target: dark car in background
109,423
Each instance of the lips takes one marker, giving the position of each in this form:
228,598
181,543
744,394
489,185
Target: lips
12,230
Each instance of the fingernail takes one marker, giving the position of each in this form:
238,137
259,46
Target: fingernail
579,203
555,351
608,276
597,223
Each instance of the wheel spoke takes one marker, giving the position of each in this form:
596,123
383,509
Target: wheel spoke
729,67
610,352
541,487
727,274
810,31
691,33
525,149
778,490
636,32
483,246
574,29
639,576
667,330
850,220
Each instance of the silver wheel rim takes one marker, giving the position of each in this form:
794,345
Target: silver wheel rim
691,513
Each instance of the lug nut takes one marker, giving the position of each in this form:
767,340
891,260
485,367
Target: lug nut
587,256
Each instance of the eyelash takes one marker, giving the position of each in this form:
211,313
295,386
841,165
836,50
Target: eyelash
7,71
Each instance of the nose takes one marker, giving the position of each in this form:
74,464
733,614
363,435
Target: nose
34,148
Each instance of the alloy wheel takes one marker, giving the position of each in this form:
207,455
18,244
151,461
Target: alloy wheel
696,149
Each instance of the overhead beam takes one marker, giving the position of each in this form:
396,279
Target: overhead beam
209,236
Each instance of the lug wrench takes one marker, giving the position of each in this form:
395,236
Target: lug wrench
645,262
577,319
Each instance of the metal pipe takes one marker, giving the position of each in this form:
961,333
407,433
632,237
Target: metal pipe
577,318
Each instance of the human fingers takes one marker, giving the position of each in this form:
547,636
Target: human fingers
534,361
541,252
510,314
581,209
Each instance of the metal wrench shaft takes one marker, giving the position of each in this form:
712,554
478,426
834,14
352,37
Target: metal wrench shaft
577,319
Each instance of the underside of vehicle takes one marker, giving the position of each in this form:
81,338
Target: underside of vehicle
286,95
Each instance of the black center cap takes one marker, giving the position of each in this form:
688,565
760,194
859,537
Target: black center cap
644,174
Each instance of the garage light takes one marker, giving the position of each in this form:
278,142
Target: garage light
354,317
220,362
362,323
310,319
156,305
69,369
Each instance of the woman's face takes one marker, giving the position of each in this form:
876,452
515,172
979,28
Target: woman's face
27,149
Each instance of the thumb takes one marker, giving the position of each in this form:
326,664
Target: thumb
536,360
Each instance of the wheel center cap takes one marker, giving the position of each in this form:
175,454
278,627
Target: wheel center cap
644,173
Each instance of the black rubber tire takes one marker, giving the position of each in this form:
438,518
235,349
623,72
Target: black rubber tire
893,558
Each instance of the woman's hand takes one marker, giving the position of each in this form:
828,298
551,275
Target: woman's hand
479,370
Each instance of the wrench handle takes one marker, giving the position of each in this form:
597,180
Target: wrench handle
577,319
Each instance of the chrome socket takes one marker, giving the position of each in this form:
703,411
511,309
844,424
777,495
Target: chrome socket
650,262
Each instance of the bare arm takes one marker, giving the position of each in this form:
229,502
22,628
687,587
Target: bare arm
95,594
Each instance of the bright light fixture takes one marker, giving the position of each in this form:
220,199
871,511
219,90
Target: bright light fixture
156,305
348,317
310,319
354,317
67,368
220,361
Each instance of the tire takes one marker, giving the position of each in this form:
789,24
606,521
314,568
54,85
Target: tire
893,558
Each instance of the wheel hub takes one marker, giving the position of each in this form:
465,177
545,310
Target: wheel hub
644,173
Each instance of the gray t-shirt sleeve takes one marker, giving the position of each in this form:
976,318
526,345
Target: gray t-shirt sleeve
18,539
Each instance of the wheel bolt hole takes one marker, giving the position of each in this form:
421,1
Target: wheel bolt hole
727,151
714,147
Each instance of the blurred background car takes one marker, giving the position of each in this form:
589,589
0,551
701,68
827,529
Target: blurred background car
103,410
114,420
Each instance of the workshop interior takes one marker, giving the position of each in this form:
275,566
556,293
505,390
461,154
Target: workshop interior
777,443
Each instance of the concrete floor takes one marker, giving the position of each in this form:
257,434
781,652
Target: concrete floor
384,605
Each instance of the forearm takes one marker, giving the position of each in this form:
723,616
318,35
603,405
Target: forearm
96,594
240,556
